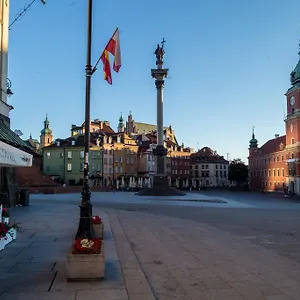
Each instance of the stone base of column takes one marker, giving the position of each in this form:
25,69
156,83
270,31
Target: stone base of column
160,188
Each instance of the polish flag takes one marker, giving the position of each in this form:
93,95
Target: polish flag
106,66
113,47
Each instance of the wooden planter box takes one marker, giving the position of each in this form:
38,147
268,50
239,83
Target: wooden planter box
99,229
85,267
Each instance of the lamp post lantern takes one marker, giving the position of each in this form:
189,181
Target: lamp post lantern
85,228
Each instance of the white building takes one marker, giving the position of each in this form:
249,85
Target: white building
209,169
4,106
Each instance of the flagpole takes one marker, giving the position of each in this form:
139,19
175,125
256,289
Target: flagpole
85,228
96,64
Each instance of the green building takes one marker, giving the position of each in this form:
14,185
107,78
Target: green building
64,160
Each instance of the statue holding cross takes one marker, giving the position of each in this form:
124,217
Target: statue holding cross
160,52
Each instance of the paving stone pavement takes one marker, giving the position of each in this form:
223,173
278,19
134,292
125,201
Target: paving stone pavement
183,259
148,257
33,266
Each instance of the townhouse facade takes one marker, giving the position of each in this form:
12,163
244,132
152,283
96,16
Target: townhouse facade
209,169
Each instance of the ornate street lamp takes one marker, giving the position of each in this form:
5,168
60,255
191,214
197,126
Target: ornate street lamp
85,228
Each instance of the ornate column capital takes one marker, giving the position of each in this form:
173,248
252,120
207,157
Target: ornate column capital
159,83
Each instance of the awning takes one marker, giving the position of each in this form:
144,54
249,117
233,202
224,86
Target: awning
14,157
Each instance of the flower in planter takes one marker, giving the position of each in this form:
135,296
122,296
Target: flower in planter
3,230
5,213
87,246
97,220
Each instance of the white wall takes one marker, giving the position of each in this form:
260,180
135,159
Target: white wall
4,15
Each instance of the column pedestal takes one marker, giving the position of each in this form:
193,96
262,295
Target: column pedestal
160,180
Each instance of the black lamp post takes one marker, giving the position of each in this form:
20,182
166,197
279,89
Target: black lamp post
86,229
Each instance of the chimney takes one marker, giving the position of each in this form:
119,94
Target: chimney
276,135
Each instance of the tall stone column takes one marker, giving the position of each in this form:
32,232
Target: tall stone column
160,178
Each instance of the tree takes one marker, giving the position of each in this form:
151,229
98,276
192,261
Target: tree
238,171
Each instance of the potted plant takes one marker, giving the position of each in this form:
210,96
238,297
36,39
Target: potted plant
3,238
5,216
86,260
98,226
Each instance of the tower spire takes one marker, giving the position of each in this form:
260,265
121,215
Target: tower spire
253,142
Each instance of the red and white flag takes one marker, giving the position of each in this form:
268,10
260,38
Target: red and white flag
113,47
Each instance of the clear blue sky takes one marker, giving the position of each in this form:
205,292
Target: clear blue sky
229,66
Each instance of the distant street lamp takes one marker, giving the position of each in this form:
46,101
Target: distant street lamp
113,153
23,12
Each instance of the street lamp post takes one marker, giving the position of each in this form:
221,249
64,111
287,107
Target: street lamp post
85,228
113,164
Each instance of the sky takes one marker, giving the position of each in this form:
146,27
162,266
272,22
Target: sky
229,66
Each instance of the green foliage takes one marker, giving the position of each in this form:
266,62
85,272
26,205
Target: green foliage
238,171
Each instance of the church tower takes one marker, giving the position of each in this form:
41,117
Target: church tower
292,121
253,143
121,126
46,136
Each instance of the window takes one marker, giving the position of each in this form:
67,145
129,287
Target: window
216,166
121,159
81,154
98,168
48,155
269,172
48,169
274,172
282,158
73,143
277,158
278,172
292,155
93,155
48,141
81,167
93,168
69,167
292,141
282,171
117,169
69,154
105,160
206,167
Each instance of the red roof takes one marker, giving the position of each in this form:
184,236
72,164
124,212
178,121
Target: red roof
273,145
107,129
205,151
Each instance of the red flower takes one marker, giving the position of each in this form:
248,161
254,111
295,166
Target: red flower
3,229
5,213
97,220
87,246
